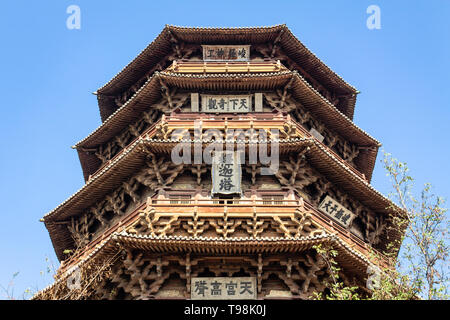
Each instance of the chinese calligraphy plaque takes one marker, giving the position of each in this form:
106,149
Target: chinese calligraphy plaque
336,211
226,173
226,52
223,288
226,104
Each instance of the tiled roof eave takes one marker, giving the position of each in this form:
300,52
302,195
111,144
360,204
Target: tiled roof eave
157,41
218,77
123,238
113,162
132,149
162,75
339,78
358,179
118,111
335,110
165,34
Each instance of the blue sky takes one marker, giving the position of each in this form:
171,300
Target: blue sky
49,72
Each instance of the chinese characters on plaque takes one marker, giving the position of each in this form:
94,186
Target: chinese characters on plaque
223,288
226,52
226,173
225,103
336,211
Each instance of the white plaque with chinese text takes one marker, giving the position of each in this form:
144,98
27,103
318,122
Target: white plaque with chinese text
336,211
226,52
226,103
223,288
226,173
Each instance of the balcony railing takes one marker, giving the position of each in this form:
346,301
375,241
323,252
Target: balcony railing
233,208
180,66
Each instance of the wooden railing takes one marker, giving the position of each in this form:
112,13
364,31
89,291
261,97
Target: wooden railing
180,66
233,207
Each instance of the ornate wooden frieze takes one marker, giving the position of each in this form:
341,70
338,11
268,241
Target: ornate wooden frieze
181,50
83,282
275,52
239,221
346,150
107,151
294,173
149,276
136,275
242,130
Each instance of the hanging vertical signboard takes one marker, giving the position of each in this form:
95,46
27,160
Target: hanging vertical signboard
226,173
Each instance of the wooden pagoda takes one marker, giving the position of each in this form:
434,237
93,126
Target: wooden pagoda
147,227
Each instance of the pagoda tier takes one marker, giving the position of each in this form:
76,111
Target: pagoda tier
276,43
118,178
166,92
281,169
199,234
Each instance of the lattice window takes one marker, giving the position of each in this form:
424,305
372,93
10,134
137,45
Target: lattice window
273,199
180,199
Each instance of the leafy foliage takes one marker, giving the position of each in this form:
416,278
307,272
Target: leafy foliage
420,269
